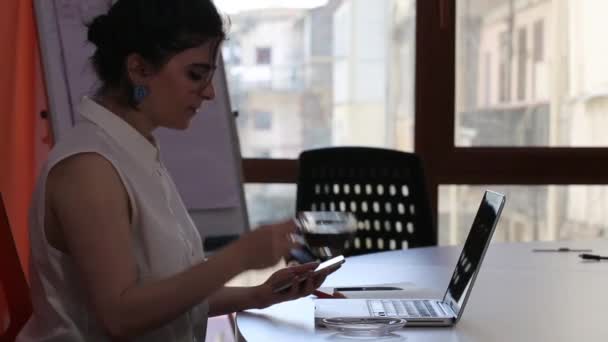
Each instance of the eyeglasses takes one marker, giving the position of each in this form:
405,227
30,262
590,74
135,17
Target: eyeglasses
208,76
202,74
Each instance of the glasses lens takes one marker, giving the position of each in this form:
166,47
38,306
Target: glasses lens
208,77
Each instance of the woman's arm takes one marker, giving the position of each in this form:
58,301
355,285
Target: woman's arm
233,299
91,205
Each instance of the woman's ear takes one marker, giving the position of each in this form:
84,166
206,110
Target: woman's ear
138,70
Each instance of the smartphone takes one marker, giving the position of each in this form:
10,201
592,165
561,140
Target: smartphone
328,264
333,262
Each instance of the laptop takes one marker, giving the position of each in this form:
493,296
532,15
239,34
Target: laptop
431,312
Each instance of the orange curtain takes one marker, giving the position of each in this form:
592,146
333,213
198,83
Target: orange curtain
24,135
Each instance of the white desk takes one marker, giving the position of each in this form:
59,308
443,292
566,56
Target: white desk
518,296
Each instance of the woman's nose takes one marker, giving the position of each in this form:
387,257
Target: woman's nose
208,92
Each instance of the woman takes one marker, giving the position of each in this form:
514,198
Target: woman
115,255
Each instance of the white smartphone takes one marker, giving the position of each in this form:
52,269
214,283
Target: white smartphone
328,264
333,262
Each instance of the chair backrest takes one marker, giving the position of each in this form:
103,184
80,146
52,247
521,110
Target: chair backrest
385,189
15,306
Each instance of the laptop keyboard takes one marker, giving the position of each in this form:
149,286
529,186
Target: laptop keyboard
403,308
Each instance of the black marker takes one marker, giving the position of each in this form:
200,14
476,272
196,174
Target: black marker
560,250
592,257
367,288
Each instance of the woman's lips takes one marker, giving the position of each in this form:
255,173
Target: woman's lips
195,108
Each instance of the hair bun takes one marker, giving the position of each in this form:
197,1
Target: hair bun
99,30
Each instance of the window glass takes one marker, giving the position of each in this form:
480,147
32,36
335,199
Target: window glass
531,213
267,203
330,73
262,121
531,73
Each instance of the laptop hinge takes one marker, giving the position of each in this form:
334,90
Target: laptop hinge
446,308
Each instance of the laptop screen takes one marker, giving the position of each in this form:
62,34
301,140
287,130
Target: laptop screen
473,251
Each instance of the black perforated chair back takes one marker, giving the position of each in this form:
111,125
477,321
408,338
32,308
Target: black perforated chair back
385,189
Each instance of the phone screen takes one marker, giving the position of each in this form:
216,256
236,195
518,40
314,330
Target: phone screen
329,263
333,262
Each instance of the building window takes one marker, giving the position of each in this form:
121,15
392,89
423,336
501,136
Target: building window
262,121
522,62
504,72
263,56
232,53
539,41
538,52
488,79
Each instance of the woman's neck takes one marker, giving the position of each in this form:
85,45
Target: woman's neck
136,119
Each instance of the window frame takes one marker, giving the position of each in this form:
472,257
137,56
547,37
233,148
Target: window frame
434,131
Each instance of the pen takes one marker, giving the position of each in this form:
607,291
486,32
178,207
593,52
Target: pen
592,257
559,250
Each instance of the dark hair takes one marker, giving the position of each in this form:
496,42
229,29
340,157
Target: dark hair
155,29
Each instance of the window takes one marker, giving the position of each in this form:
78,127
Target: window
534,151
264,153
532,213
504,73
522,61
268,203
471,137
263,56
544,103
539,41
232,52
488,79
333,72
262,121
332,76
538,57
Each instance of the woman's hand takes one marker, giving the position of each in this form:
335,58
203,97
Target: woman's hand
265,246
267,295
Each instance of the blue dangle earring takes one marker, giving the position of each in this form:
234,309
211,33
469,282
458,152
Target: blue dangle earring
140,92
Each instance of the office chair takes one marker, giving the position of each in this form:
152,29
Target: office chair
15,306
385,189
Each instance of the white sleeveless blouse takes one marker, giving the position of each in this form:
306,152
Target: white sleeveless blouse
164,237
